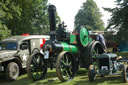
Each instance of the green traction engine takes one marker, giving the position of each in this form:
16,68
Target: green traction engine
64,51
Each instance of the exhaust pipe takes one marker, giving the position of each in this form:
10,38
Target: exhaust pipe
52,21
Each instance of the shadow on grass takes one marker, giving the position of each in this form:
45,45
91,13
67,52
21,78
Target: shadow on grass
116,80
51,79
24,80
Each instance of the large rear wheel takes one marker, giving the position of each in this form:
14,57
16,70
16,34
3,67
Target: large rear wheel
36,68
91,52
65,66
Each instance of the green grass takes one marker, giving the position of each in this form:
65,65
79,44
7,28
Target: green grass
123,54
80,79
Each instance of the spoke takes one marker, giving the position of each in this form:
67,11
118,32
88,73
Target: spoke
41,62
33,69
34,61
70,63
37,74
62,61
97,52
67,59
38,59
69,73
64,72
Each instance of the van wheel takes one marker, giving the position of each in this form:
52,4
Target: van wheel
12,71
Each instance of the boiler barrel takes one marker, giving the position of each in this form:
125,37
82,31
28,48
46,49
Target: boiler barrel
63,46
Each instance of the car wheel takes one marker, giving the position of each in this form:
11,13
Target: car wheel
12,71
92,73
125,73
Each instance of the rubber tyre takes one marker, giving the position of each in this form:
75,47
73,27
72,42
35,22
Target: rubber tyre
30,73
12,71
125,73
92,73
58,67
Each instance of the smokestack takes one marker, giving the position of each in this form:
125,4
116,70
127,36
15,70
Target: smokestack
52,21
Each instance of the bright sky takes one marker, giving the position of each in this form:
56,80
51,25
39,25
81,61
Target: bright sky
67,9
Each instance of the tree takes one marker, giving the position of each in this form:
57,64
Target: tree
24,16
90,16
32,19
119,19
8,9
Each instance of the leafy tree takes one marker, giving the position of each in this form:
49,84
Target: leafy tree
90,16
32,19
119,19
8,10
23,16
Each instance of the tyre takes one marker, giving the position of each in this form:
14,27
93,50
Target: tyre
65,66
12,71
36,68
125,73
92,73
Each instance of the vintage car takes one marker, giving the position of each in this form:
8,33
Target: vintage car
14,52
109,64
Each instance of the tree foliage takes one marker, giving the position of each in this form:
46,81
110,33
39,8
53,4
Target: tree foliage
119,19
90,16
24,16
8,9
32,19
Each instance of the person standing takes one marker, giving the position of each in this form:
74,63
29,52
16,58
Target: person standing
101,39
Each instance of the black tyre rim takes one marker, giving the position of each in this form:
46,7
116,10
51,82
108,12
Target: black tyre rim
66,69
125,73
37,67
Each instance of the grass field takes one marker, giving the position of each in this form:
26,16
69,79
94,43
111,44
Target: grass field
80,79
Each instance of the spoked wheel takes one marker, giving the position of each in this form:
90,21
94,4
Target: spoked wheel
65,66
36,68
125,73
92,73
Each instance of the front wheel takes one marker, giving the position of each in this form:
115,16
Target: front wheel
12,71
65,66
92,73
36,68
125,73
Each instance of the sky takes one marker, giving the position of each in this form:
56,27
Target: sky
67,9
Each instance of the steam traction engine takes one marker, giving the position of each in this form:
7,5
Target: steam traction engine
64,51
